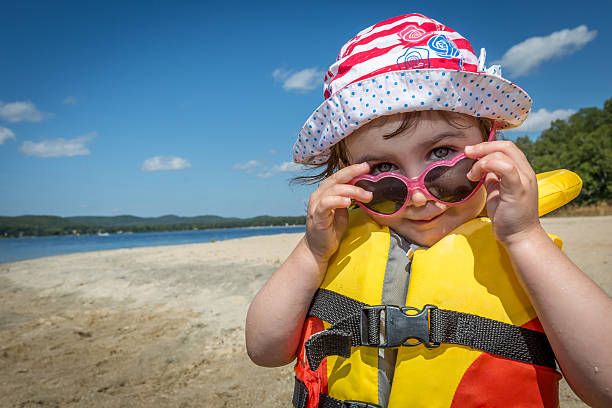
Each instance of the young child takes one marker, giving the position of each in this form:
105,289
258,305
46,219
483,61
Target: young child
407,133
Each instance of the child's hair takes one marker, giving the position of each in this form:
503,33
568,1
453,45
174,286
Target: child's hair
339,157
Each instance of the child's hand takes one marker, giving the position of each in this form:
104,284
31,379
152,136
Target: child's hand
512,188
327,210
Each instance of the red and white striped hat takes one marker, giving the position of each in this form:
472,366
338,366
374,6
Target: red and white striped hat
404,64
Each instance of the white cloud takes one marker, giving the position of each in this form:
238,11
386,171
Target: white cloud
58,147
159,163
522,58
540,120
5,134
286,167
264,171
249,166
299,81
70,100
21,112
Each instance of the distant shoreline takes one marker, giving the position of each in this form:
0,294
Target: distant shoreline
144,232
20,249
43,225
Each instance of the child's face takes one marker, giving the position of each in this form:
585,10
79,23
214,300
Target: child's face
432,138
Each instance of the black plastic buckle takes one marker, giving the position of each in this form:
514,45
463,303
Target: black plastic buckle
396,326
358,404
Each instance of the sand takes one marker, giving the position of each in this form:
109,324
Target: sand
164,326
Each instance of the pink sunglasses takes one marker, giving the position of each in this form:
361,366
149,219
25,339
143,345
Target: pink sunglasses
444,181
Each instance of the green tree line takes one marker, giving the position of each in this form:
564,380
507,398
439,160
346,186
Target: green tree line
36,225
582,144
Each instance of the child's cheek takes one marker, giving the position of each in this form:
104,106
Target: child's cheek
475,205
462,213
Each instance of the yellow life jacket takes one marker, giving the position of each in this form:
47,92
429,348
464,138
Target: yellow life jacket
467,271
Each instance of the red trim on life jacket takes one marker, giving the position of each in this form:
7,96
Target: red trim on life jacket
315,381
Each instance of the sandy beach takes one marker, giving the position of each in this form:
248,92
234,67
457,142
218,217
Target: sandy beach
164,326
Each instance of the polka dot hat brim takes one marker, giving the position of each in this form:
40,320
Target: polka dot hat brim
359,90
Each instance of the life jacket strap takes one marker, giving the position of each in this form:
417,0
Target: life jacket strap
357,324
300,399
492,336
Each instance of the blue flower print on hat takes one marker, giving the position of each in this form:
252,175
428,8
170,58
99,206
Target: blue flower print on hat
414,58
443,47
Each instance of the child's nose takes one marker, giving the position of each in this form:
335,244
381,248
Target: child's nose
418,198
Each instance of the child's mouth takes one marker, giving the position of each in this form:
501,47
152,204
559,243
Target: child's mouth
426,220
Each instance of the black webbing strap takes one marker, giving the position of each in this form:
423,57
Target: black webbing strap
300,394
349,318
328,342
333,307
344,314
300,399
492,336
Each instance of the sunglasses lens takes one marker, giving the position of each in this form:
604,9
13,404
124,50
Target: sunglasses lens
389,194
450,184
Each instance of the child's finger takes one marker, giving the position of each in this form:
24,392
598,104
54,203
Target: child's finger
491,184
346,174
338,196
333,187
500,164
351,191
329,203
505,146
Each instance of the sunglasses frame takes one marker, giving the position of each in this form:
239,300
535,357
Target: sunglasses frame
419,182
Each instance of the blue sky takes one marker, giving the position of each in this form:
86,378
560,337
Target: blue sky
190,108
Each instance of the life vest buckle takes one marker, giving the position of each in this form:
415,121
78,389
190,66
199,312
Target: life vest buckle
392,326
358,404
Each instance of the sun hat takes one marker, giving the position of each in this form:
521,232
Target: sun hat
405,64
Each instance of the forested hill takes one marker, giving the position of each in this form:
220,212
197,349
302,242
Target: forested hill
38,225
582,144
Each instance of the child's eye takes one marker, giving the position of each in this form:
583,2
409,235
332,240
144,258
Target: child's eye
440,153
382,168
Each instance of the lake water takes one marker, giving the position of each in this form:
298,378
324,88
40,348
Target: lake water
19,249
